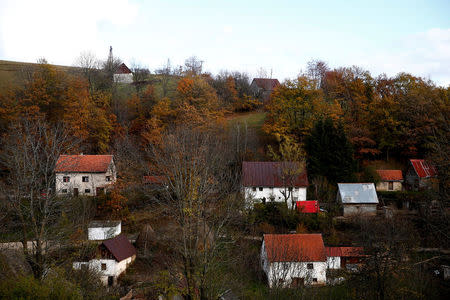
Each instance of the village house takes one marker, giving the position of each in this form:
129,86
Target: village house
291,260
103,230
420,175
344,257
87,175
390,180
262,88
112,259
274,181
357,198
123,74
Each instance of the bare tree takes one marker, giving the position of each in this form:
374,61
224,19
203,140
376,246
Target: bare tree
30,154
201,198
193,66
165,74
89,65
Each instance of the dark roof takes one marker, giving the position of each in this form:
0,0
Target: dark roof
390,175
123,69
270,174
83,163
344,251
294,247
103,224
423,168
266,84
120,247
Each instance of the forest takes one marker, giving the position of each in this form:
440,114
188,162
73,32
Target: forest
196,238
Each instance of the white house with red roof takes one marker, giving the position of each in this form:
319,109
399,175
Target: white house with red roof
390,180
421,175
87,175
274,181
123,74
291,260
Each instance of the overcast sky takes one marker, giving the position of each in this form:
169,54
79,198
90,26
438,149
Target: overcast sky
380,36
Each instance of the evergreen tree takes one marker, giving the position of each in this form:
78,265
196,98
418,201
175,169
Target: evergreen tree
329,152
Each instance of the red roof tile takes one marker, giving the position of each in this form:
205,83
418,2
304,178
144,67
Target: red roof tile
123,69
390,175
266,84
120,247
344,251
270,174
83,163
311,206
423,168
294,247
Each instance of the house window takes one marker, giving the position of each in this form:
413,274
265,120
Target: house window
296,188
108,178
310,266
391,185
314,279
290,189
64,191
87,191
254,189
85,179
103,267
84,267
260,188
66,178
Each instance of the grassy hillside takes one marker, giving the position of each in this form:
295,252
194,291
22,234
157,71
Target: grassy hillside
13,73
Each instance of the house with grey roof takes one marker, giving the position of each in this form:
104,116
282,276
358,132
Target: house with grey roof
357,198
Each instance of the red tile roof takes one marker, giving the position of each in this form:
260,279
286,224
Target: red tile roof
423,168
311,206
120,247
390,175
266,84
123,69
83,163
155,179
344,251
294,247
270,174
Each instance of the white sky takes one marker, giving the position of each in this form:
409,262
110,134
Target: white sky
411,36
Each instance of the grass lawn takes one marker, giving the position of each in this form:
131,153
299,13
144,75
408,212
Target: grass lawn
253,119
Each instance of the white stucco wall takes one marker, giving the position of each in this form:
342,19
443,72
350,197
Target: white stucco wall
76,181
103,233
113,268
123,78
285,271
364,209
384,186
333,262
297,194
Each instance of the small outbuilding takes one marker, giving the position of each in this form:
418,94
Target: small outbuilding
112,259
308,207
421,175
390,180
357,198
103,230
341,257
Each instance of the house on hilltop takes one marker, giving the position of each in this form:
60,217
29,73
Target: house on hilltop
390,180
420,175
123,74
262,88
357,198
87,175
291,260
274,181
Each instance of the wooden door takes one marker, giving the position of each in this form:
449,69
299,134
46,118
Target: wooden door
75,192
